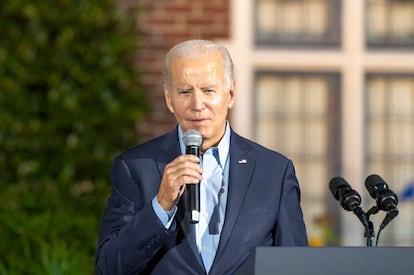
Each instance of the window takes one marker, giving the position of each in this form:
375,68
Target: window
320,109
390,23
390,146
298,114
297,22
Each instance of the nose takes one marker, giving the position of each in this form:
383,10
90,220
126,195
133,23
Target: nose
197,100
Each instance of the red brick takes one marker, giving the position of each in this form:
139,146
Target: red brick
162,24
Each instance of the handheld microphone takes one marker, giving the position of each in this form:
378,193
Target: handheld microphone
349,198
386,199
192,140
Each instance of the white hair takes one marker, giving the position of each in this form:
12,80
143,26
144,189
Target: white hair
197,47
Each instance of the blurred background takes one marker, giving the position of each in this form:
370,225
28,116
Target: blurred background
329,83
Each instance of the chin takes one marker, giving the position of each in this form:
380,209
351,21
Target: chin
202,132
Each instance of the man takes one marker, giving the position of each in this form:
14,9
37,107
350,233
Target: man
249,195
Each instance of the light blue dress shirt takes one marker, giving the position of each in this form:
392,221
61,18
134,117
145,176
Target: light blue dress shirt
213,198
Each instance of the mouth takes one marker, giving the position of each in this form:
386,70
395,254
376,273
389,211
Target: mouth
198,122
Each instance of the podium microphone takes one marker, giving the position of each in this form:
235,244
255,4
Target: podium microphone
350,199
386,199
192,140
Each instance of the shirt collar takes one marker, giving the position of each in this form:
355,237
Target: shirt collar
223,146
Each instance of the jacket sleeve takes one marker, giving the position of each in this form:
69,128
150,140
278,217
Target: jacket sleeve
291,229
131,234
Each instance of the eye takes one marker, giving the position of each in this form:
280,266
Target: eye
184,91
209,90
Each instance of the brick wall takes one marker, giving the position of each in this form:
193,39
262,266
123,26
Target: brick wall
162,24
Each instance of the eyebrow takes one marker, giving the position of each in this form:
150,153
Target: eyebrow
186,88
203,87
212,86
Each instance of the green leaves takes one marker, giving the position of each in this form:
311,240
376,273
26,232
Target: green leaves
68,101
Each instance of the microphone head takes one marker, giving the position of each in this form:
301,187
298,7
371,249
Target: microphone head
378,189
375,185
336,184
192,138
343,192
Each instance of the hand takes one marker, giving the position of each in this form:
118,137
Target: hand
183,170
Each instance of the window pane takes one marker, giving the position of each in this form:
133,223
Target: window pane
376,97
390,145
390,23
295,22
292,90
317,89
401,99
316,131
376,137
300,125
317,18
268,96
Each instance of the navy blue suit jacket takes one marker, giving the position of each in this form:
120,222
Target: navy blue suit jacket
263,209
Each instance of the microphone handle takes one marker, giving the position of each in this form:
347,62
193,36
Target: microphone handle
193,190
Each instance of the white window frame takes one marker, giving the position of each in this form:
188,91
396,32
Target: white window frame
350,60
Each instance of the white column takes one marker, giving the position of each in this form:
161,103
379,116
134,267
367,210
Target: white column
240,46
353,112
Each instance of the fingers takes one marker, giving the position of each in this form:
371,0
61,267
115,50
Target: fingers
183,170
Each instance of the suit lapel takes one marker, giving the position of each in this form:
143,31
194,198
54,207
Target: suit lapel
240,172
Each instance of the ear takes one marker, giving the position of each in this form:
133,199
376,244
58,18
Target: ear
168,99
232,94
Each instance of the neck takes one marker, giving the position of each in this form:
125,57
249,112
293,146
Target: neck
211,143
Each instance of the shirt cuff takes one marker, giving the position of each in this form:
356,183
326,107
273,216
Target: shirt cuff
166,217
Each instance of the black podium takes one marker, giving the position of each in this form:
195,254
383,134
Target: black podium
329,261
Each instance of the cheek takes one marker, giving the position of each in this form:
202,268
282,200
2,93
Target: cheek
221,104
216,102
179,105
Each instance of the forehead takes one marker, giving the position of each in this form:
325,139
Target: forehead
208,60
202,66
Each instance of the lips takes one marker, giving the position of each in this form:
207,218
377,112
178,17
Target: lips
198,120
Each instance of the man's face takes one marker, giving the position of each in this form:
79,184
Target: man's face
199,97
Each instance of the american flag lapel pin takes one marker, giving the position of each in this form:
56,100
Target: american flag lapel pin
242,161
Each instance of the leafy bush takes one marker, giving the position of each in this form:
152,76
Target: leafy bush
69,101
